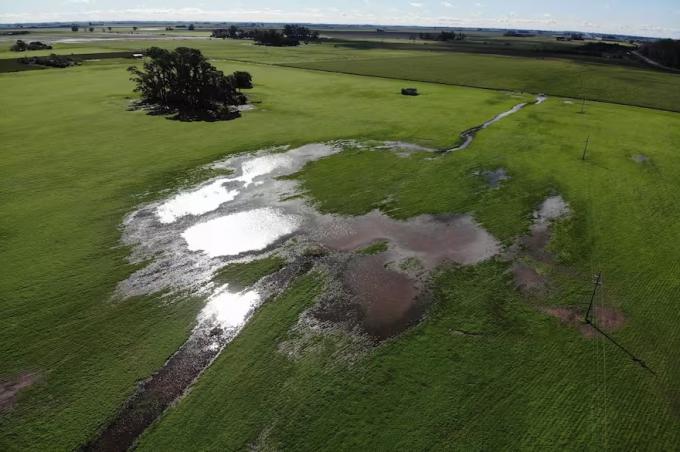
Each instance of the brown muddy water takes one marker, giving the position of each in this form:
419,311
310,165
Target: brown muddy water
387,299
251,213
388,287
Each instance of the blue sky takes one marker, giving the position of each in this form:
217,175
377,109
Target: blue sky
648,18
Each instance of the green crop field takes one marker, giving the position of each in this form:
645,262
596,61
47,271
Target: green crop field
559,77
76,160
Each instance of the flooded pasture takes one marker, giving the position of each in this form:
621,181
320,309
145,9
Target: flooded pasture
253,212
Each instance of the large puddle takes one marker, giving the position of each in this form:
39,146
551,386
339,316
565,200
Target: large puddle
253,212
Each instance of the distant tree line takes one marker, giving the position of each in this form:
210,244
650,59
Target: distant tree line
184,83
518,34
443,36
14,32
664,51
291,35
22,46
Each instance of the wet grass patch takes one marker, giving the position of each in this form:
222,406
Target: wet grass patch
375,248
240,276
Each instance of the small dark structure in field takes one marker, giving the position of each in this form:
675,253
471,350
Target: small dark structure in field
409,91
22,46
184,83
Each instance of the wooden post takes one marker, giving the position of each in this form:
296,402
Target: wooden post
592,297
585,149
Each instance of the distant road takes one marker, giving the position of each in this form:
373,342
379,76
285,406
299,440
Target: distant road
654,63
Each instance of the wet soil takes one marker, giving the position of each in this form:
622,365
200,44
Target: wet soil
9,390
211,334
157,393
606,318
528,280
494,178
535,243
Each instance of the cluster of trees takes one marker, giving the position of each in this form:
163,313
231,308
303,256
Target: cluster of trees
291,35
53,60
664,51
518,34
300,33
232,32
22,46
443,36
183,82
274,38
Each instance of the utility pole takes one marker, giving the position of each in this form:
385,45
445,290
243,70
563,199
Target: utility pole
583,105
592,297
585,149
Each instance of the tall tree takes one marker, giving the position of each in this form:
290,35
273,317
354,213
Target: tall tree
184,82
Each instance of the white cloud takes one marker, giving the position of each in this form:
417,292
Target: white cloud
447,4
416,4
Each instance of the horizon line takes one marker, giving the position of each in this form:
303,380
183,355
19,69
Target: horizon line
368,24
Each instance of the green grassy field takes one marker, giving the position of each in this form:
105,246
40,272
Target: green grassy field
555,76
75,162
527,382
559,77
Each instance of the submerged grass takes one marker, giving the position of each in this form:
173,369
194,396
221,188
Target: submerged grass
375,248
